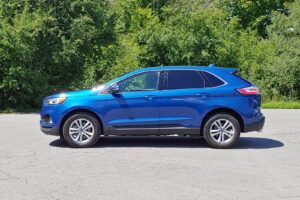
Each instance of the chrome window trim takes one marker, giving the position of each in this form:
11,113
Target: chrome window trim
155,70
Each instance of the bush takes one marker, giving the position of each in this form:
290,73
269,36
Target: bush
48,46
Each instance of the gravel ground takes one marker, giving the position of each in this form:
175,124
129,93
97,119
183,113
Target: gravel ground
263,165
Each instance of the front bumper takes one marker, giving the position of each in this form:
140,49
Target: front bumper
50,131
50,118
256,126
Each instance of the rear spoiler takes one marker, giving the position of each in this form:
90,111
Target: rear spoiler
229,70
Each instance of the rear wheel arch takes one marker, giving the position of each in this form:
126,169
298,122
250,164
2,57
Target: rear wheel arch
77,111
222,110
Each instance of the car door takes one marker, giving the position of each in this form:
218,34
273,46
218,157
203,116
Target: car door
134,109
182,101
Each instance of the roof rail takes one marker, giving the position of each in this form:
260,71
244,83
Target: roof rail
212,65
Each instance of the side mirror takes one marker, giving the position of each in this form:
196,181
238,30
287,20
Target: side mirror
114,89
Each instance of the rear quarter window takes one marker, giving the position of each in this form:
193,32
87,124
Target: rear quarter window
212,80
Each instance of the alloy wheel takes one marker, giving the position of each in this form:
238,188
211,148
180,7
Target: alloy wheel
222,131
81,130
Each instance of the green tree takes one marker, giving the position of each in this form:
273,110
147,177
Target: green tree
49,45
284,70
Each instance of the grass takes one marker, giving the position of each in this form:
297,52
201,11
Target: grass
281,105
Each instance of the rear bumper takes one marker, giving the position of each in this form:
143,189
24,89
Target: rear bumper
257,126
50,131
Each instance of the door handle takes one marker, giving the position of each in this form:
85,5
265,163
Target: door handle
202,95
149,97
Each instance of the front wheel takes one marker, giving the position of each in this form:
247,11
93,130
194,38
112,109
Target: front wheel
81,130
221,131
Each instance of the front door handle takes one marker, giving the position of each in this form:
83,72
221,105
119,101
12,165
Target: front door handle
149,97
202,95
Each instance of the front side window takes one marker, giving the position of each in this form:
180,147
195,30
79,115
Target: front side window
184,79
147,81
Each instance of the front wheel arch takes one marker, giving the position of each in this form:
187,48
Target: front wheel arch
77,111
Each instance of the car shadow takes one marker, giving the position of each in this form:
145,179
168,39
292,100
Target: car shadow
174,142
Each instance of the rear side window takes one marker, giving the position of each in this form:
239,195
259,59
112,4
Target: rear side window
184,79
212,80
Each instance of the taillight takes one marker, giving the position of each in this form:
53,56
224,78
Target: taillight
249,90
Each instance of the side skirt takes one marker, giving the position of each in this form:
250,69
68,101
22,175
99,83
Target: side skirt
143,131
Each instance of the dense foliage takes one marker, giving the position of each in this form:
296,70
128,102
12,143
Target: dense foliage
48,46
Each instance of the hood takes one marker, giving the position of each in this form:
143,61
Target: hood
78,93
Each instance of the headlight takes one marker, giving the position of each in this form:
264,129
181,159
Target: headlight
54,101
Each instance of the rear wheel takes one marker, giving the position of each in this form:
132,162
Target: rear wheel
81,130
221,131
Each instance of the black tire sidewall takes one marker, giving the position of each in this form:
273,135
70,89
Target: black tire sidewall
89,117
209,139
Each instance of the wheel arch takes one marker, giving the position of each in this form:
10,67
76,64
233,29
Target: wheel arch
223,110
79,110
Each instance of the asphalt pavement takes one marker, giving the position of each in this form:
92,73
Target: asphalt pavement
263,165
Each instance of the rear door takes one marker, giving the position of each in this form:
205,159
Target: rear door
182,101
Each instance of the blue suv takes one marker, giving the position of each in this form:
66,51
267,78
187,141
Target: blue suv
209,102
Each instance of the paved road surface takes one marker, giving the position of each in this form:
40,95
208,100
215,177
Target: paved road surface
262,166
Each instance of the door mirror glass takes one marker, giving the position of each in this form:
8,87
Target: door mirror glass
114,89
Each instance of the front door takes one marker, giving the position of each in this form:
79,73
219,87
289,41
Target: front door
134,109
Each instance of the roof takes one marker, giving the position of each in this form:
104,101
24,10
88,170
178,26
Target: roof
174,67
230,70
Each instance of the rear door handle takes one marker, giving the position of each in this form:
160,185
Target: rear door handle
149,97
202,95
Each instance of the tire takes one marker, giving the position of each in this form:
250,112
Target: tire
77,135
221,131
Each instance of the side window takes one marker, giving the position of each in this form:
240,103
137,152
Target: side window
147,81
212,80
184,79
